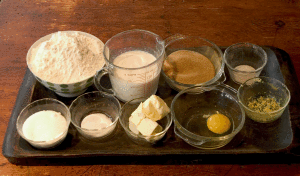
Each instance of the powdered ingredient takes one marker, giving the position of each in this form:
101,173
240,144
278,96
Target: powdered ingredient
247,72
189,67
44,125
67,58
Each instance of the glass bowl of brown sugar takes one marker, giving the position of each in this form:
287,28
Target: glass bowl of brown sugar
192,61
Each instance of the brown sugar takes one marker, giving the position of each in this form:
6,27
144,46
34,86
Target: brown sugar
189,67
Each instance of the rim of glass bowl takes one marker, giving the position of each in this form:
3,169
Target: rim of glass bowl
162,52
43,39
248,45
266,78
68,119
126,128
221,87
96,92
213,80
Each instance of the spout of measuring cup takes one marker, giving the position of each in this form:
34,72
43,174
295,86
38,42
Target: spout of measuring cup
102,82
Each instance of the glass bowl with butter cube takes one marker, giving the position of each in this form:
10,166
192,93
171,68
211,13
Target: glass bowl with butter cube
145,121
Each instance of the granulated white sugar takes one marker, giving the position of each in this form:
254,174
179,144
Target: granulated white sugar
44,125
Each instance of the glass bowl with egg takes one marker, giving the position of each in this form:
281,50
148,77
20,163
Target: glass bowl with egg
44,123
192,61
66,61
264,99
136,120
95,115
207,117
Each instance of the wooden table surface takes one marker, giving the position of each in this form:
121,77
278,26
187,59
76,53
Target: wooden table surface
264,22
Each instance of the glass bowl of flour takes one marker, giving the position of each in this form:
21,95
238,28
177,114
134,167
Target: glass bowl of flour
44,123
66,61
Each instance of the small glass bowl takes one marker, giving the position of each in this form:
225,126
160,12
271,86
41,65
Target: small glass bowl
246,54
140,139
40,105
191,108
202,46
95,102
265,87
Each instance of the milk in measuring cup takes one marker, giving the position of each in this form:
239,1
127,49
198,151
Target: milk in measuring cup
129,83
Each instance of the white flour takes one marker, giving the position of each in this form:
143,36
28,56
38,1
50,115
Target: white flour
67,58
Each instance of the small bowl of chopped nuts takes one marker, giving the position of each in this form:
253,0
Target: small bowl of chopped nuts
264,99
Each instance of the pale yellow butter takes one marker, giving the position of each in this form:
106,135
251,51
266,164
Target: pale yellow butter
155,108
148,127
137,116
133,127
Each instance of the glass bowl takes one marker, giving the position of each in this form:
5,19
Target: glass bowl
91,103
199,45
40,105
244,55
263,87
140,139
191,108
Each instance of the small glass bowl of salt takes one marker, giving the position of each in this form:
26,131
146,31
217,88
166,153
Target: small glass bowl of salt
95,115
244,61
44,123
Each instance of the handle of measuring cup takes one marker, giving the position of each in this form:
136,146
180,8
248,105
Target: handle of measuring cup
97,81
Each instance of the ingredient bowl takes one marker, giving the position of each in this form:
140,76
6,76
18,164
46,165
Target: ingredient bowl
42,69
207,66
101,111
140,139
244,61
133,62
192,107
38,106
261,96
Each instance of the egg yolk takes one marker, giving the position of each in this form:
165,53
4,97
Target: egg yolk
218,123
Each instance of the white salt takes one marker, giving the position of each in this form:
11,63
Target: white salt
96,121
247,72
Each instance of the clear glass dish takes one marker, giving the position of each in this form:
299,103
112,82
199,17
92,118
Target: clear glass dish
264,87
191,108
40,105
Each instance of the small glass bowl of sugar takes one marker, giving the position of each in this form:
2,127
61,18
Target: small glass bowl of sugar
244,61
44,123
95,115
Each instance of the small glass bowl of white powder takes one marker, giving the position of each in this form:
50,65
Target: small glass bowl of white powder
244,61
44,123
95,115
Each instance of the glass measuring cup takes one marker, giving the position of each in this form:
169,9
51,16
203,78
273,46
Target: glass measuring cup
130,83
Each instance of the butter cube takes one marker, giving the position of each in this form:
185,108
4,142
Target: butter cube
137,116
155,108
135,119
148,127
133,128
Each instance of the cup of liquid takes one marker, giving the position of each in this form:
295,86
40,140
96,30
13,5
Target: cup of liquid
133,62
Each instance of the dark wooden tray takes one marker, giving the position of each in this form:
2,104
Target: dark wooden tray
255,140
